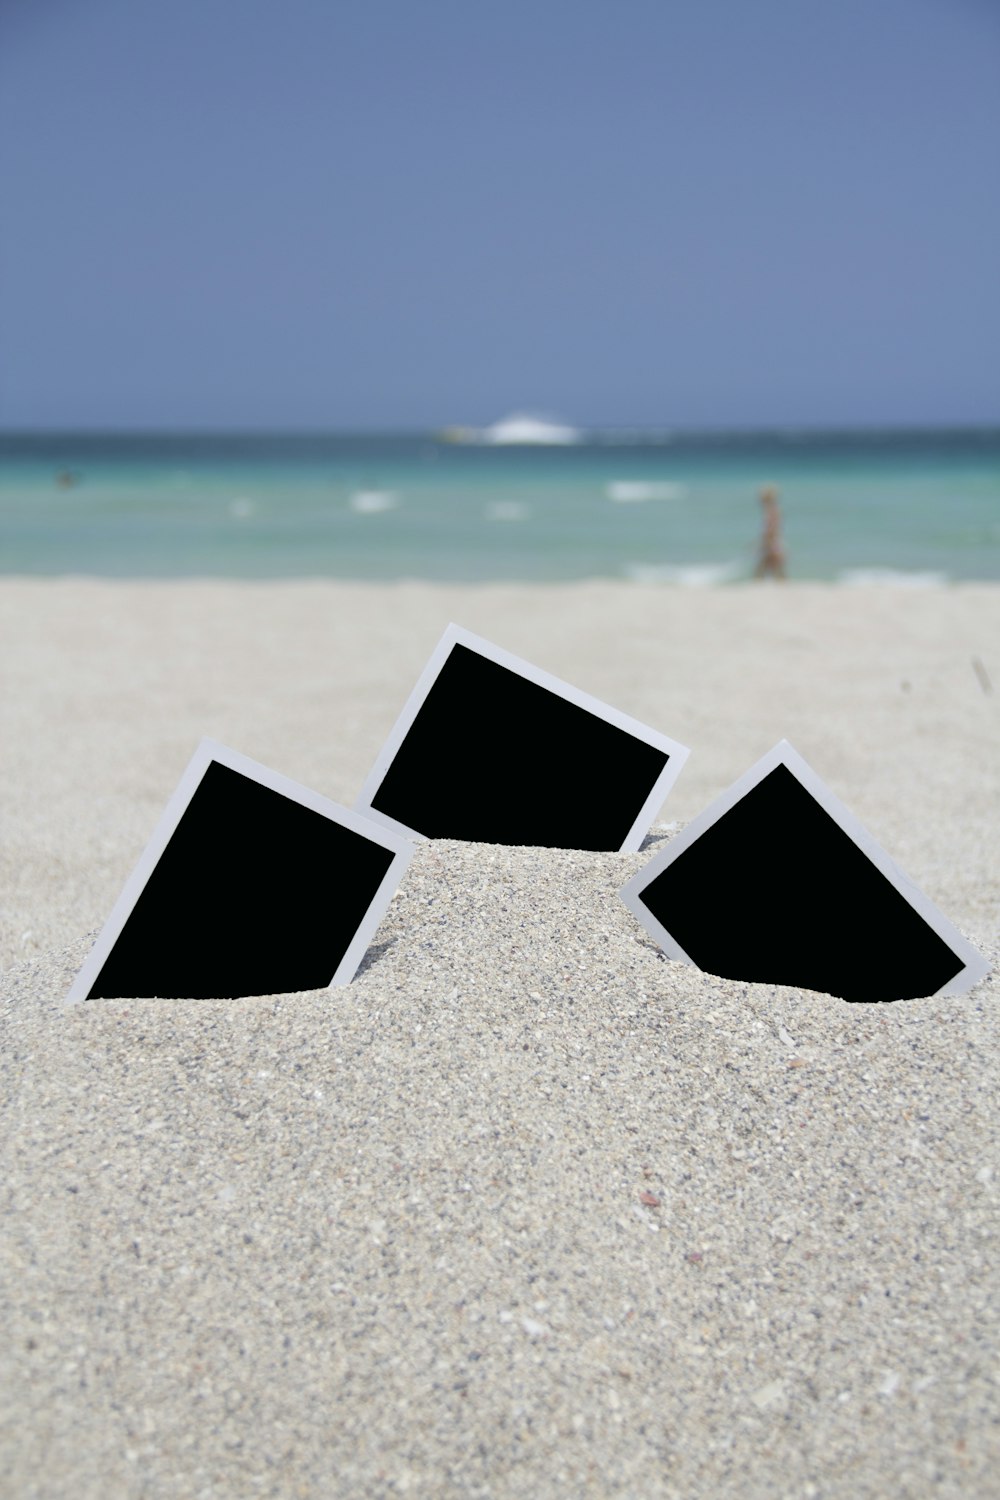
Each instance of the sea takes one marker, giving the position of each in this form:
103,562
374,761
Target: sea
917,508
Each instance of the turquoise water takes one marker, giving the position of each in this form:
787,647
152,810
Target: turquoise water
682,509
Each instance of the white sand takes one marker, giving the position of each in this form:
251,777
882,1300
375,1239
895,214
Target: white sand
393,1239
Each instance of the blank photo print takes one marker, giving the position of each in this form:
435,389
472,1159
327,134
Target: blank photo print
776,882
491,750
250,885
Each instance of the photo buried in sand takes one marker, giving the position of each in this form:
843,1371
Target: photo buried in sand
777,882
490,749
251,884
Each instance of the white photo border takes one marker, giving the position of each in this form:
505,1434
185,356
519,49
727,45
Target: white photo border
457,635
210,751
975,967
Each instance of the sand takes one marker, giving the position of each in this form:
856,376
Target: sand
526,1209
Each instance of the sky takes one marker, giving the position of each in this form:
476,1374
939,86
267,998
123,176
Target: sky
344,214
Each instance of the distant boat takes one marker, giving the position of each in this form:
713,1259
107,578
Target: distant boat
519,427
522,428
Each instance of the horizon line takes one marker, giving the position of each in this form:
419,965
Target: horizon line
440,431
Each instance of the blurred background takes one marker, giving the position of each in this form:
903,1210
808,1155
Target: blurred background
537,290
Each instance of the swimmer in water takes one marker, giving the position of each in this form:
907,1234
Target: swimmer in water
771,559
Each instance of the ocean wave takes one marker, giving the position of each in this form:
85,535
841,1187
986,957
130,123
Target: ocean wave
369,502
507,510
631,491
895,578
684,575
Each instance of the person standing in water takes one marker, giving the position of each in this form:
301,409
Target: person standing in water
771,559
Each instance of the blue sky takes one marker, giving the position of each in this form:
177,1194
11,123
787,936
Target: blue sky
320,214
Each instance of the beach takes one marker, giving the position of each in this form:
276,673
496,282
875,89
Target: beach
525,1210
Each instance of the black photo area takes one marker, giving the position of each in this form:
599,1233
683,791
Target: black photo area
494,758
776,892
253,895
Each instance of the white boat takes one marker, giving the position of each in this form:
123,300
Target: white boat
520,427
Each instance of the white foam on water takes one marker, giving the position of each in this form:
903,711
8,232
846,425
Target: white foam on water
684,575
370,502
891,578
632,491
507,510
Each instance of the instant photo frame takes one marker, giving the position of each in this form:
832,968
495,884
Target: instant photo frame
490,749
777,882
251,884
